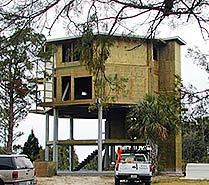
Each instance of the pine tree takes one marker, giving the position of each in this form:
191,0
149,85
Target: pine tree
19,55
31,147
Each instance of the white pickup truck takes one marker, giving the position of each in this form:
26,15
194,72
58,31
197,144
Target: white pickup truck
133,167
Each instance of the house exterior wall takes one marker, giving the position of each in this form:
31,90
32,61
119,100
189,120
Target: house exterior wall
122,52
137,85
133,64
144,74
169,66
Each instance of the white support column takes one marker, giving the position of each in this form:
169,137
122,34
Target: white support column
47,138
71,157
106,156
112,155
55,138
99,136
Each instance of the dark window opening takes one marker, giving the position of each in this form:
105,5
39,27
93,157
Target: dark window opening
83,88
155,52
71,51
66,53
55,87
66,84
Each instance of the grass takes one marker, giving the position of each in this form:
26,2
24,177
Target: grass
177,181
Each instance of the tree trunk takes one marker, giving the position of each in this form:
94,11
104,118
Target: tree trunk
10,137
11,112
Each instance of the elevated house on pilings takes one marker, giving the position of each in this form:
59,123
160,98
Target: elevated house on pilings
69,90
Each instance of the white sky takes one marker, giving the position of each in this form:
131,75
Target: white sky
83,129
87,129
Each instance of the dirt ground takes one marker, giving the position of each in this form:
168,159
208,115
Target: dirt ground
75,180
103,180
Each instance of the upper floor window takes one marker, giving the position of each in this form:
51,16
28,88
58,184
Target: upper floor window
83,88
155,52
71,51
66,84
55,87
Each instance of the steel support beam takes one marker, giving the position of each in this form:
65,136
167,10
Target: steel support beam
71,154
47,138
99,136
55,138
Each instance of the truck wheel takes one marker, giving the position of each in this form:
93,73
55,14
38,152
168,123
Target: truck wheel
1,182
117,181
147,183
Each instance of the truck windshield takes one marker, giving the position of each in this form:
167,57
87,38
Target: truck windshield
132,158
139,158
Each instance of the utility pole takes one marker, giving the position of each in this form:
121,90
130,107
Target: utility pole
98,101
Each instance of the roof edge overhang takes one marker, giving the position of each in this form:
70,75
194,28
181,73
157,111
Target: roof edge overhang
179,40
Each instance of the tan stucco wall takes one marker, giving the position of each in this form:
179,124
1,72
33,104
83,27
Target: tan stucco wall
137,84
122,52
134,64
123,61
169,66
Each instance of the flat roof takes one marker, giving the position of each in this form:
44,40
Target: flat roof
179,40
